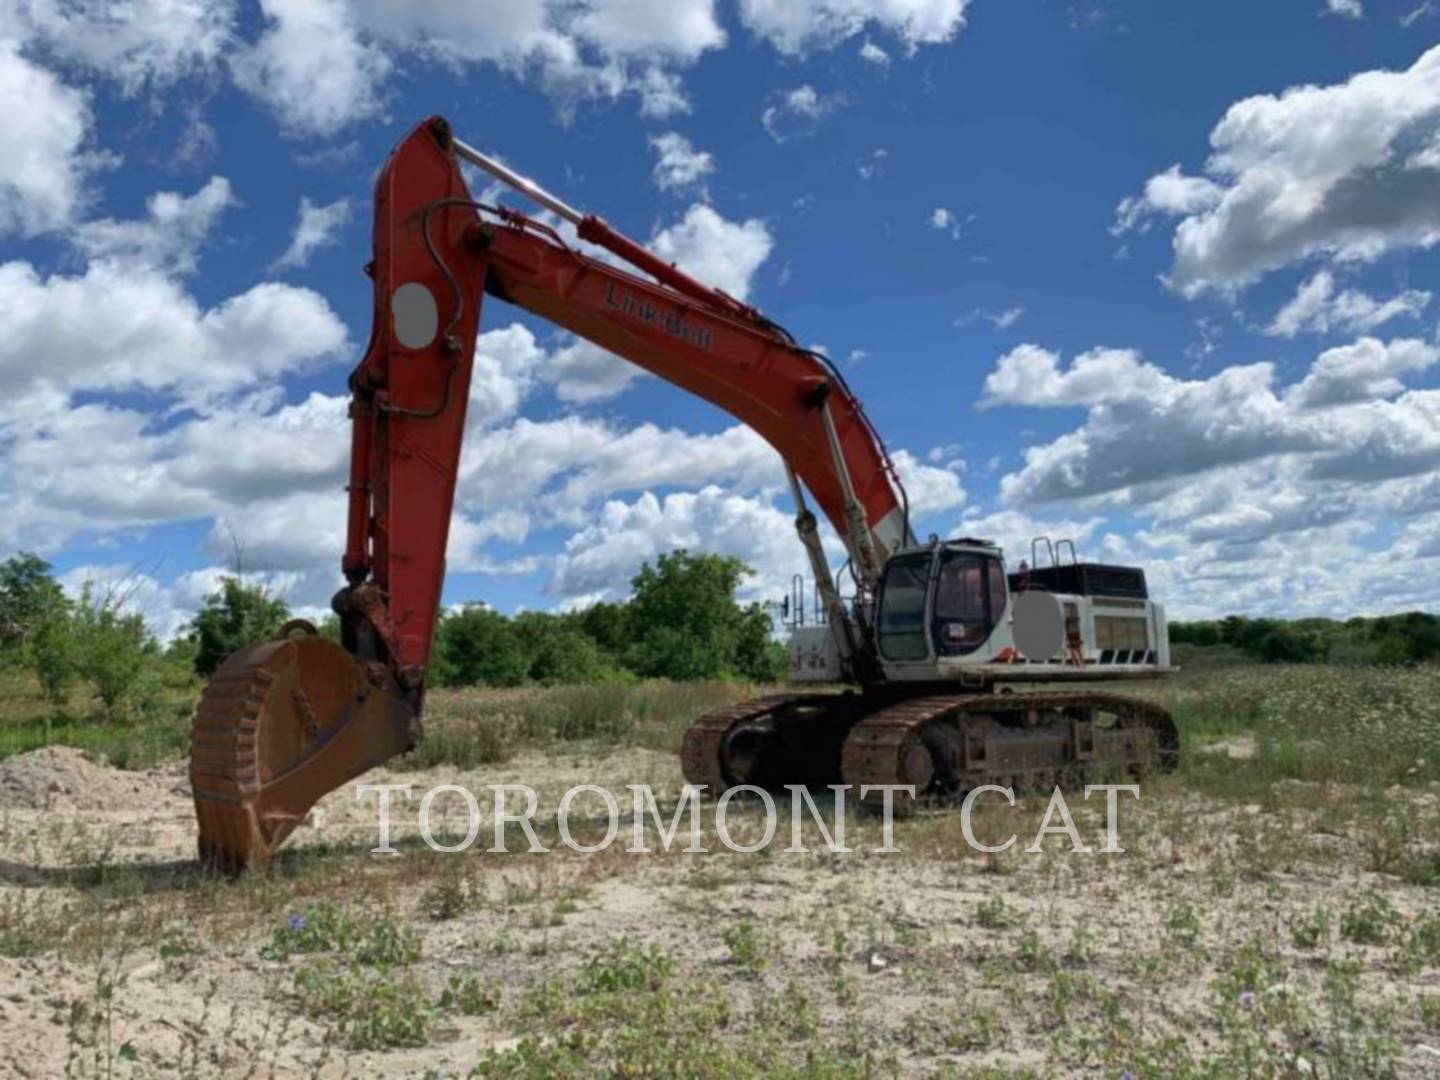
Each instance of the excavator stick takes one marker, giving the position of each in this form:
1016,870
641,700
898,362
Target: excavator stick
285,722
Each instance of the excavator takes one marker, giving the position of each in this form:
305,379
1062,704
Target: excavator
912,668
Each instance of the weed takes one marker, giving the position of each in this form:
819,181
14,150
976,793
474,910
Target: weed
972,1030
371,1010
1311,929
1370,920
1032,954
449,896
749,946
325,927
995,914
467,994
1081,949
1359,1042
1065,989
793,1013
389,945
1421,945
1182,923
621,966
29,927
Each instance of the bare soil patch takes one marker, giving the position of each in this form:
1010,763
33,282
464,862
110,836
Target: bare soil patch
1225,928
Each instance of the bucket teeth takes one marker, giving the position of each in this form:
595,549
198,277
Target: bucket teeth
279,726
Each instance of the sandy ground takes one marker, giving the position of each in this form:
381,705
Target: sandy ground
153,970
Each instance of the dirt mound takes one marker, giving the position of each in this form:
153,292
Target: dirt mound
57,777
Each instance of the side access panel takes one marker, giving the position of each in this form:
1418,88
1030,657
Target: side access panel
814,655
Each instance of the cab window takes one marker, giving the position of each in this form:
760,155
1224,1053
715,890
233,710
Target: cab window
969,599
902,608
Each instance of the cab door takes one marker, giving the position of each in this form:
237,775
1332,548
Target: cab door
970,599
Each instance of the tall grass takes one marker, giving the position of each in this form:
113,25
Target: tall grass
162,733
477,726
1313,723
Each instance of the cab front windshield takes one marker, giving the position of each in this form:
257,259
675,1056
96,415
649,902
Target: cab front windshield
902,608
970,597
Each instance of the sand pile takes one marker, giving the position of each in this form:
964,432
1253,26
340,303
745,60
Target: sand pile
61,777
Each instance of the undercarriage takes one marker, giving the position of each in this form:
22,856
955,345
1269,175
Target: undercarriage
942,745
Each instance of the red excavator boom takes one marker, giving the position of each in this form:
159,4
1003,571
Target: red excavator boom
285,722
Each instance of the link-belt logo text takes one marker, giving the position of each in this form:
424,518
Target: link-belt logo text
672,322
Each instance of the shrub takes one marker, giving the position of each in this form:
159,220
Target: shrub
50,648
371,1011
113,651
28,596
685,623
467,994
233,617
478,647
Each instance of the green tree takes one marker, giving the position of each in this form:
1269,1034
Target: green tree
758,655
684,621
113,650
233,617
51,652
1407,638
478,646
557,650
28,595
608,625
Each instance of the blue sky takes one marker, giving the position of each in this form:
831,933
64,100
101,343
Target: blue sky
1155,276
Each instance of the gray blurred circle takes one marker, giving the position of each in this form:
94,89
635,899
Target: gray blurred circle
416,317
1039,625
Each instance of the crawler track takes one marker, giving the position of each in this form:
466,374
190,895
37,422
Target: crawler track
941,745
770,741
946,745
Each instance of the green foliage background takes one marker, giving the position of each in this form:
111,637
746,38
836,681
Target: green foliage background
95,661
1409,638
232,617
681,622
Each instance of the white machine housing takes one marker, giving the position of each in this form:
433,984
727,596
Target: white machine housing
946,612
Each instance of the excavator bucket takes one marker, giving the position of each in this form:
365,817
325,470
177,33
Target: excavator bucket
279,725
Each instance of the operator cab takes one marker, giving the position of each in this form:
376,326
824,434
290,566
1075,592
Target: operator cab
948,597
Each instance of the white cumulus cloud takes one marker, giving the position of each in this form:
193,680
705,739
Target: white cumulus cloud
1343,171
312,67
678,164
170,236
44,166
1317,308
599,560
714,250
138,43
117,328
797,26
796,112
1348,9
1350,417
316,227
